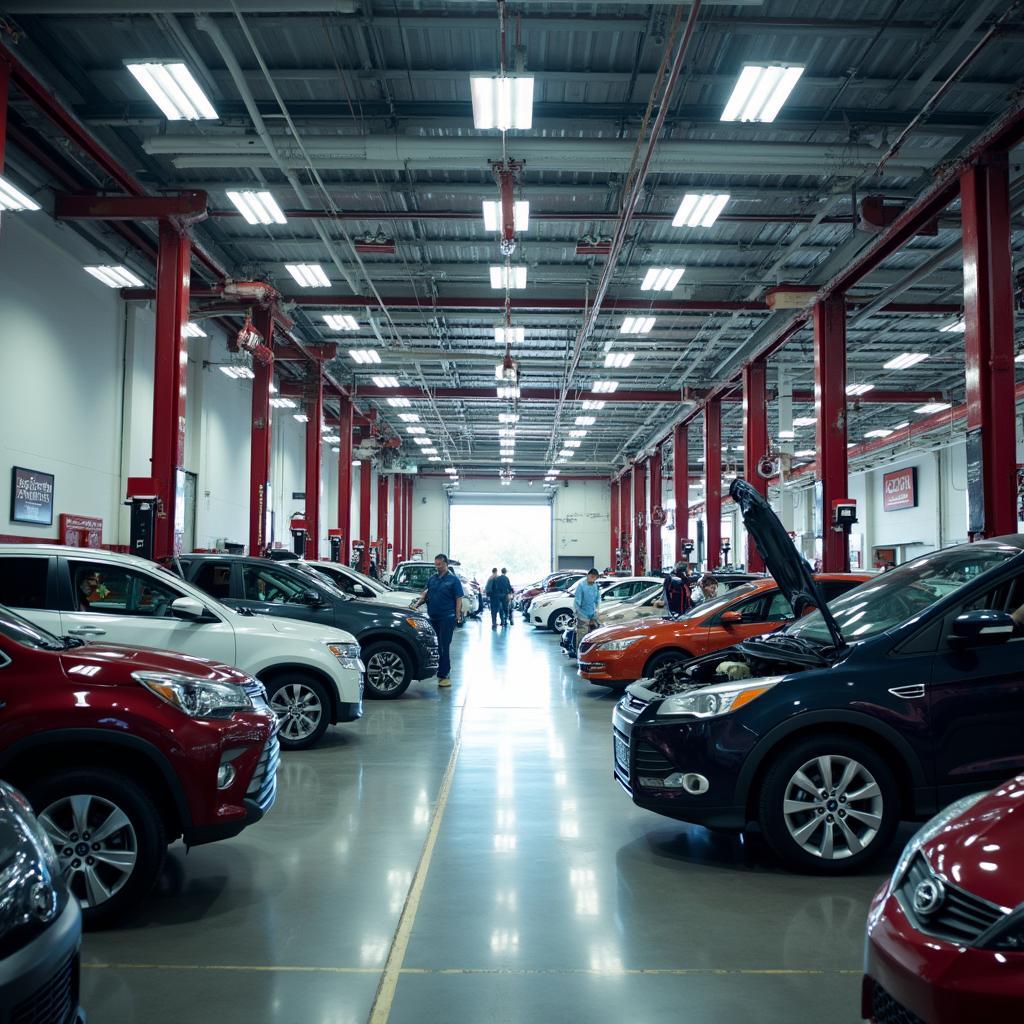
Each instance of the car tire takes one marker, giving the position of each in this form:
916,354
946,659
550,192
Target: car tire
388,671
841,830
560,621
303,709
126,839
664,659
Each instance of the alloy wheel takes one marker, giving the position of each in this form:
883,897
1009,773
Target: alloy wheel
385,671
95,843
832,807
298,709
562,622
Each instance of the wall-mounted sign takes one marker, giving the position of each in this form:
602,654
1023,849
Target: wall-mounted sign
899,489
298,495
80,531
31,496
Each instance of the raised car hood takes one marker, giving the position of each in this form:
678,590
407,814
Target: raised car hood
784,562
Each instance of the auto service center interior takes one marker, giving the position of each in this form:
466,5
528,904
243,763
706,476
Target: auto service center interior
716,299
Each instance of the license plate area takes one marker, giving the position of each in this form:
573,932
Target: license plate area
622,755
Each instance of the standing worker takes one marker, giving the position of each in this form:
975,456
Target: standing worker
444,607
677,591
584,604
492,601
503,595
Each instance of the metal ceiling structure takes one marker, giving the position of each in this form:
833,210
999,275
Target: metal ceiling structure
356,115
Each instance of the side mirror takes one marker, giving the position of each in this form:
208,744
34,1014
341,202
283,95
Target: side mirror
190,609
311,597
732,618
359,590
982,628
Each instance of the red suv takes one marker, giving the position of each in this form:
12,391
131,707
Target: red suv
121,750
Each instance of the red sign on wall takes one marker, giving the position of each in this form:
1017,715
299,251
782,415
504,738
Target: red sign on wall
899,489
81,531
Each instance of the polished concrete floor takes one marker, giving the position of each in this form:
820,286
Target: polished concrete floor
464,856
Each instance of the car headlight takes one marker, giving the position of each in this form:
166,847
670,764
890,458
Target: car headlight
347,654
197,698
712,701
618,645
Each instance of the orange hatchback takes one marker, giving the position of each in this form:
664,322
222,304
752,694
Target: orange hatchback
616,655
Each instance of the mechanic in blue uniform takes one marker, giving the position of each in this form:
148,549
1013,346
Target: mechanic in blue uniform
444,608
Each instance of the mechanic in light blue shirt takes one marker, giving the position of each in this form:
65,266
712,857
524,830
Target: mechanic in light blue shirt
584,605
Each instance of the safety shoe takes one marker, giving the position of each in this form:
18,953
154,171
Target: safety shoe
444,682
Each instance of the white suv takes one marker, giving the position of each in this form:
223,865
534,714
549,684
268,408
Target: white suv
555,610
313,674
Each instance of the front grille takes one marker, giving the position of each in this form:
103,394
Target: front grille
648,760
885,1009
961,917
263,786
55,1001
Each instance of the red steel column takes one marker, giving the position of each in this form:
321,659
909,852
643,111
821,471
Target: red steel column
988,316
681,487
399,518
382,522
755,443
639,517
345,477
625,519
365,483
409,484
656,502
260,436
314,446
830,412
5,79
713,484
613,521
170,384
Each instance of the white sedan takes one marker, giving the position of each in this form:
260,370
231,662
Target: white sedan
647,603
555,610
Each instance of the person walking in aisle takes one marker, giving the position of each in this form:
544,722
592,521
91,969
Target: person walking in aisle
492,601
444,608
503,596
584,604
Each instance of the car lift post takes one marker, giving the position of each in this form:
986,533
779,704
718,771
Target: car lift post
613,521
365,485
409,484
259,434
625,516
755,442
314,446
713,482
681,488
656,502
382,523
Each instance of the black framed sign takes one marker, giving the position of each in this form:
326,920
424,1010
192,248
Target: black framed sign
31,496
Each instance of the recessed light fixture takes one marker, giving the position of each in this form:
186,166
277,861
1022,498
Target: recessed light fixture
172,87
434,458
409,417
572,442
258,207
661,279
309,275
604,387
429,451
115,276
929,407
585,421
566,453
385,381
193,331
508,460
637,325
804,421
593,403
415,430
510,335
236,372
619,360
956,327
508,417
859,389
399,403
493,215
300,417
699,209
364,356
577,433
879,432
905,360
508,277
507,392
341,322
283,403
760,92
12,199
502,101
424,442
506,432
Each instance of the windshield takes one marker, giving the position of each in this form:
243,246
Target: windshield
902,593
413,577
646,595
710,607
14,627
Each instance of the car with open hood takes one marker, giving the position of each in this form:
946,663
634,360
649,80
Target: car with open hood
903,694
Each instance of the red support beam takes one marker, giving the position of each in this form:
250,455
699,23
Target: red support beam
345,477
639,517
188,207
382,521
625,520
988,315
613,521
409,484
830,412
314,446
755,443
527,394
681,488
657,501
484,302
399,527
713,483
365,493
260,437
170,383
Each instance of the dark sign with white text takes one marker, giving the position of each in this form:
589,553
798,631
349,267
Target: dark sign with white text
899,489
31,497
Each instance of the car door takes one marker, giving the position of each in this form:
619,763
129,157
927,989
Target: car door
976,702
27,585
273,590
762,613
130,605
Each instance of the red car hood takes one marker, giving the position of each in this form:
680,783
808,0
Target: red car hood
640,627
980,850
113,664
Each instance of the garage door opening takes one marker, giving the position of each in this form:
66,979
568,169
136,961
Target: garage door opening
516,536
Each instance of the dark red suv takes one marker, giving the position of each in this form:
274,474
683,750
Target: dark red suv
122,750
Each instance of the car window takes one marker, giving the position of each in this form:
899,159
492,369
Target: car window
753,609
779,609
23,581
120,590
215,579
836,588
717,604
414,576
264,583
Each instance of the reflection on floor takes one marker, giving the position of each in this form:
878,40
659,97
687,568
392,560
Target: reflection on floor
548,896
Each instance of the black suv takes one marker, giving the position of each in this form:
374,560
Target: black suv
397,645
898,697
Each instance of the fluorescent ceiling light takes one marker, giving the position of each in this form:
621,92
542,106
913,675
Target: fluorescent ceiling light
415,430
331,439
566,453
929,407
902,426
881,432
520,215
508,391
14,200
432,452
619,360
506,432
699,209
577,433
508,417
661,279
859,389
424,442
258,207
905,360
804,421
784,435
957,326
115,277
1019,358
554,472
385,382
193,331
760,92
502,102
573,443
341,322
508,277
364,356
300,417
604,387
585,421
309,275
173,89
399,403
236,371
283,403
434,458
637,325
807,453
451,469
356,463
510,335
409,417
596,403
335,450
508,461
